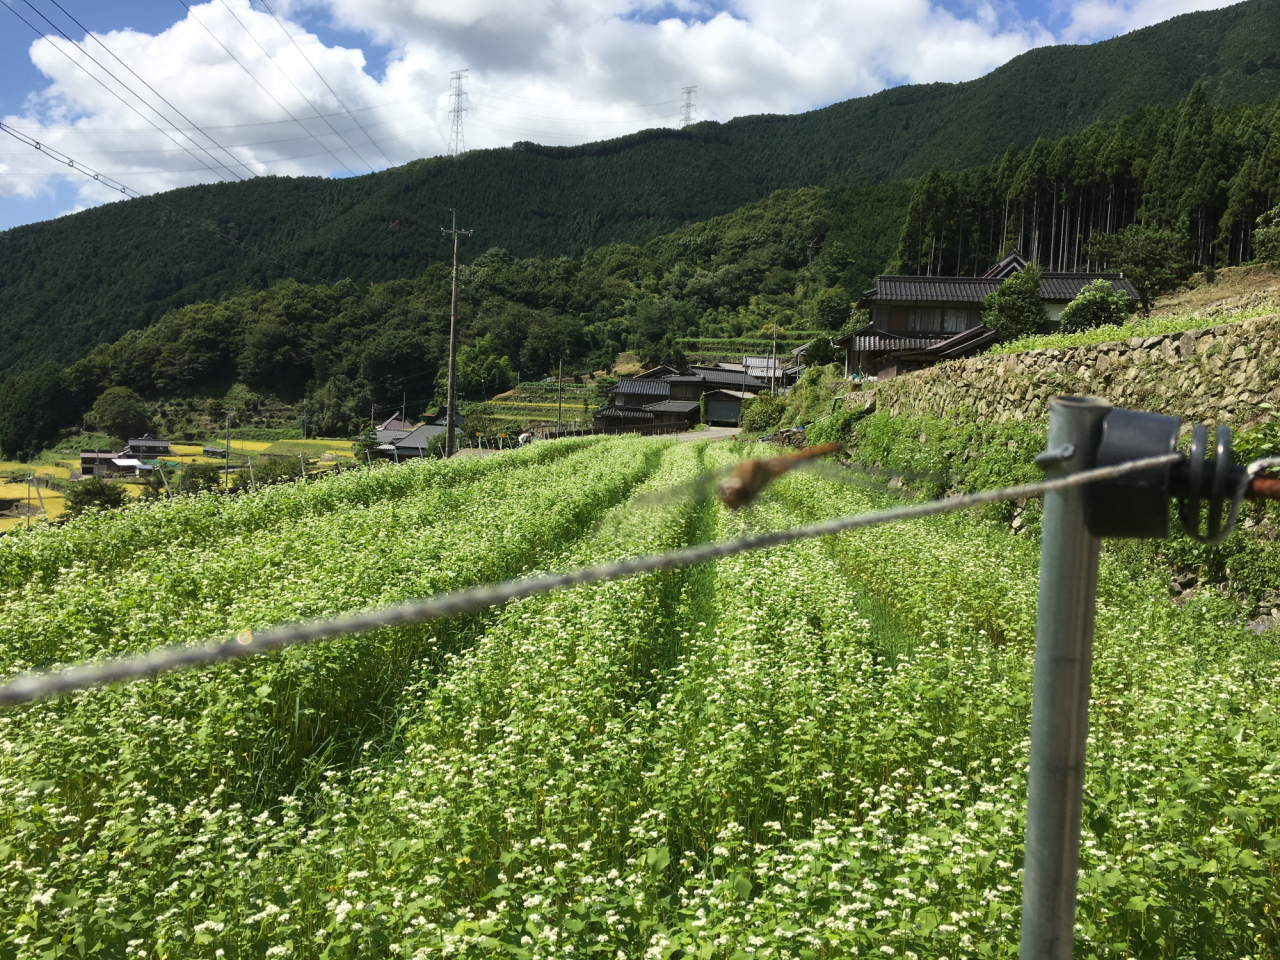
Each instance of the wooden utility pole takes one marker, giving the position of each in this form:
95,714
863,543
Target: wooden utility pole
773,363
226,470
559,397
452,398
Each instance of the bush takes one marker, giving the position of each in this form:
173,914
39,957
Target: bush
201,476
762,414
94,493
1015,309
1098,304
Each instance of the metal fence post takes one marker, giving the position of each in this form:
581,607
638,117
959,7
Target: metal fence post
1060,696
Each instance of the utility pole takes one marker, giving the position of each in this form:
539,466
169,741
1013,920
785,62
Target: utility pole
452,399
457,142
686,109
742,400
773,363
559,397
226,471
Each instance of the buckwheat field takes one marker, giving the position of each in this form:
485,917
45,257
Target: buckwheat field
815,751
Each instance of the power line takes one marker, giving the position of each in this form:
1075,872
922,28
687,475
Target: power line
130,192
251,76
457,142
104,86
314,109
298,46
165,101
33,686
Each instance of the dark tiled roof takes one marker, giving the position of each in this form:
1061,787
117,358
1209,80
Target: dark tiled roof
1060,287
873,342
657,373
673,406
1067,286
649,388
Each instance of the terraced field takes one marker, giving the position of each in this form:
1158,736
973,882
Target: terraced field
815,751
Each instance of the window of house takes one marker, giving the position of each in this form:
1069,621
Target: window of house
956,319
924,319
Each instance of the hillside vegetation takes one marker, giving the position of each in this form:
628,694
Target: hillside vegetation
335,350
70,284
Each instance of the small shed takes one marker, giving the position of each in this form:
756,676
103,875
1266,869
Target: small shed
129,467
724,407
95,462
618,419
676,411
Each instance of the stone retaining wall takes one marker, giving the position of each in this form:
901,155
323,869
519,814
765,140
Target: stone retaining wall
1222,374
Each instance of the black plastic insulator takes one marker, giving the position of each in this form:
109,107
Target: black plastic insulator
1136,505
1201,478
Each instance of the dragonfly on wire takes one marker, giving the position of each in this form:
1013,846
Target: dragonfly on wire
741,485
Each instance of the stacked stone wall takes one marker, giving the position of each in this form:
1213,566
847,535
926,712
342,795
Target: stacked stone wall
1225,374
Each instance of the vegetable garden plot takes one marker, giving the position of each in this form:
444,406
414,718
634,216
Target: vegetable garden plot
813,751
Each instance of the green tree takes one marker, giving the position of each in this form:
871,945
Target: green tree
1097,305
663,353
121,413
1154,261
819,353
201,476
1015,309
831,308
1266,239
94,493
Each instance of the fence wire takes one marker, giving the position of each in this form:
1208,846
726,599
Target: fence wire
37,685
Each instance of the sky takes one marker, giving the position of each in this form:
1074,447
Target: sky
158,94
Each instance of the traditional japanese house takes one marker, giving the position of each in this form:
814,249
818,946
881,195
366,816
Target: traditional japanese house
910,316
146,446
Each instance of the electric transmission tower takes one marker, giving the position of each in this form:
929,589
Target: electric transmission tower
686,110
457,142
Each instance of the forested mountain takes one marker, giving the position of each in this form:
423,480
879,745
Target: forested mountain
340,347
71,283
1202,173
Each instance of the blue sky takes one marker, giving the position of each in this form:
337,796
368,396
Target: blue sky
337,87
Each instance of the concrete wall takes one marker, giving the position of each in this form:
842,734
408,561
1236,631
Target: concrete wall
1220,374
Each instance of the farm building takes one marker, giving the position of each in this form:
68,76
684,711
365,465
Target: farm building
96,462
644,401
146,446
724,407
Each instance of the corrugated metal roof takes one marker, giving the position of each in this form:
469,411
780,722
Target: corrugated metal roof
736,394
621,413
1054,287
649,388
728,377
673,406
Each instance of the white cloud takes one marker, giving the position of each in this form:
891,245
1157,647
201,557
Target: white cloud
553,71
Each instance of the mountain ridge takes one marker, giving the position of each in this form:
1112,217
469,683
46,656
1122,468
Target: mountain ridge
69,284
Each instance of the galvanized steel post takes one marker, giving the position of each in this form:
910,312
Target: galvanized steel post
1060,696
